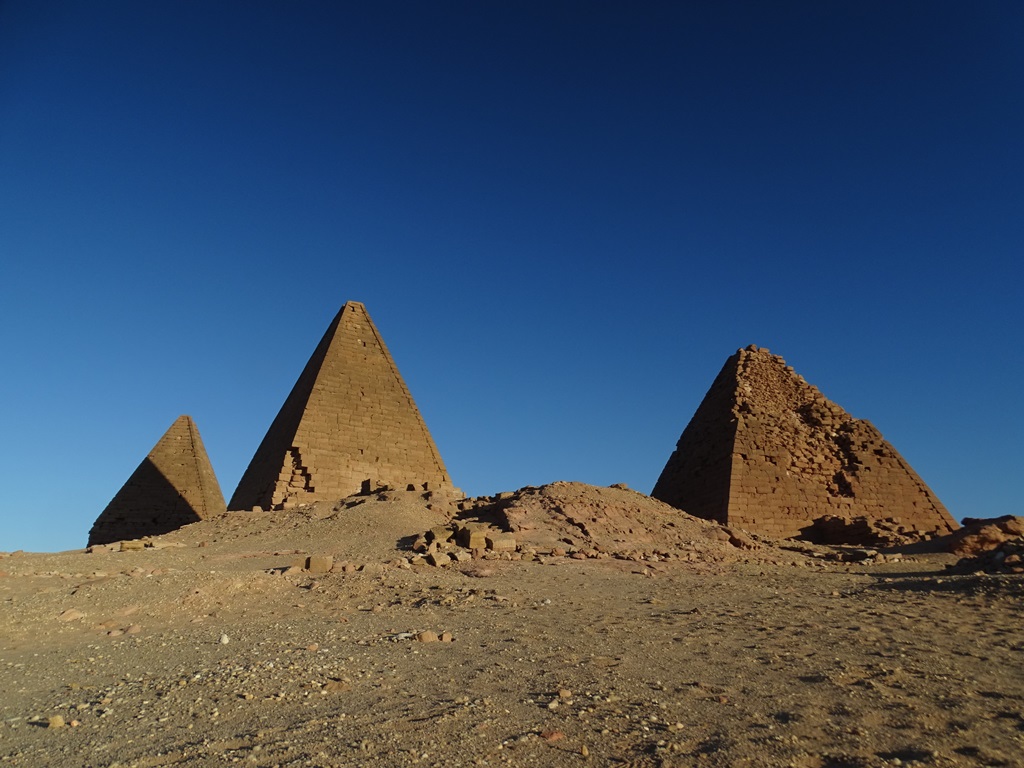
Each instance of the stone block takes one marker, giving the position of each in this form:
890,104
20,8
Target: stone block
472,537
501,542
440,534
319,563
438,559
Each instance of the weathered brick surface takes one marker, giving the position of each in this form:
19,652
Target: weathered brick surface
173,486
348,425
766,451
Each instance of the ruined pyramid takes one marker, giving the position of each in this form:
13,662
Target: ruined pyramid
173,486
348,425
767,452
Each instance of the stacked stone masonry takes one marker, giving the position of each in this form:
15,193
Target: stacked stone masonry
173,486
348,425
766,451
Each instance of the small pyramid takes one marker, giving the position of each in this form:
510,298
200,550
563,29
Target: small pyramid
173,486
766,451
349,425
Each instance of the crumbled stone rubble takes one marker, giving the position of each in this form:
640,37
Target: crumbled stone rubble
990,545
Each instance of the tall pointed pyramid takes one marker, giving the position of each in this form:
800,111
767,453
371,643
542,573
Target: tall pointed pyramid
173,486
348,422
766,451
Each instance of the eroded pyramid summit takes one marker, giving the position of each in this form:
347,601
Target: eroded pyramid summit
173,486
766,451
349,423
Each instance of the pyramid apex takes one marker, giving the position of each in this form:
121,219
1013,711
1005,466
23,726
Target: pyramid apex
754,352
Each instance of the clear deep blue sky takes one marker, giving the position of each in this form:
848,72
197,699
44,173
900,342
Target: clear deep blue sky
563,218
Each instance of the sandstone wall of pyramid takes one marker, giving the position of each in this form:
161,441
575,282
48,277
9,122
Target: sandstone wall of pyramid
766,451
173,486
348,422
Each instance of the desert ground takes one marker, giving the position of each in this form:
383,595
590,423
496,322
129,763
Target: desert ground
620,633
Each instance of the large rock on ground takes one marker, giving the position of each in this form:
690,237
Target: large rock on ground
984,535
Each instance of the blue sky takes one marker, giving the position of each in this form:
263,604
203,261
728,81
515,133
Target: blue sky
562,216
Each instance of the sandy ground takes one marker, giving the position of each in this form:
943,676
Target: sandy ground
209,653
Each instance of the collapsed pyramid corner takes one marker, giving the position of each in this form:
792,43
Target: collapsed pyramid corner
767,452
173,486
348,424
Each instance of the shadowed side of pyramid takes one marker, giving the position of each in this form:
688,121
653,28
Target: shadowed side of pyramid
173,486
696,477
348,423
766,451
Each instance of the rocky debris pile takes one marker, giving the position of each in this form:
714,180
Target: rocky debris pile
460,542
862,531
1007,557
560,520
988,545
393,528
585,521
982,535
440,546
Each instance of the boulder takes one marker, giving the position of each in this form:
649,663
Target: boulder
984,535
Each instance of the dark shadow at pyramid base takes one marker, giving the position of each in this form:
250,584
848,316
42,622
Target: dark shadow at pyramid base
147,505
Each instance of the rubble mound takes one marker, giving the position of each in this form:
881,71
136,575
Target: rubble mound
988,545
407,528
1007,557
980,536
591,520
362,527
